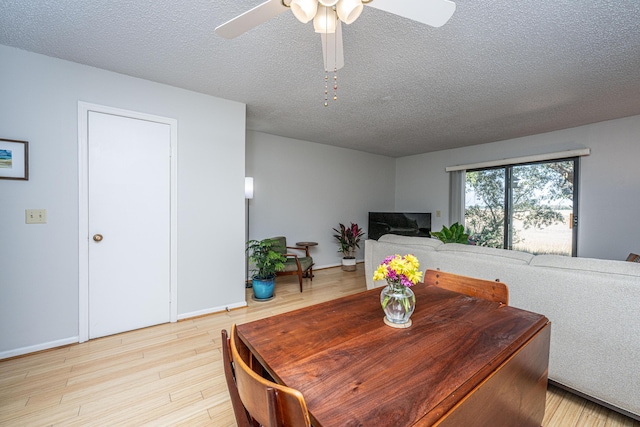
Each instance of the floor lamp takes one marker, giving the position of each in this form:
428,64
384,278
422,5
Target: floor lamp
248,195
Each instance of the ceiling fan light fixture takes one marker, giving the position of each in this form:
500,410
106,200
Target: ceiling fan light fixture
304,10
349,10
325,21
328,3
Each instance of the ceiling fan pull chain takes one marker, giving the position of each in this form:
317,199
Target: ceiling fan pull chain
326,88
326,72
335,68
335,84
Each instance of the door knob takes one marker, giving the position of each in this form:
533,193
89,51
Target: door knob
97,237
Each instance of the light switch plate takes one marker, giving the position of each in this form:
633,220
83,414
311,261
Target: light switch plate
36,216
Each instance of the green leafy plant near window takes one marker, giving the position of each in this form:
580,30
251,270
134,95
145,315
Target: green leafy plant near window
454,234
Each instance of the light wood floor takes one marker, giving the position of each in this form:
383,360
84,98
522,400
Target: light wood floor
171,375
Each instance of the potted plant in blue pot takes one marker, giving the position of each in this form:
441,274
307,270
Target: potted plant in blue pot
266,263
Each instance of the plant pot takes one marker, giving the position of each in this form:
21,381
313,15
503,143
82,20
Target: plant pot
349,264
263,288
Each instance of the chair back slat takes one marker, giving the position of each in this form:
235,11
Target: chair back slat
268,403
242,417
479,288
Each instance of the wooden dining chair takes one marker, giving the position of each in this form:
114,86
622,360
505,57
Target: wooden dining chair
242,416
269,404
486,289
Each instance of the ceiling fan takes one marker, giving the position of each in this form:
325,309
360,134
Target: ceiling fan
327,16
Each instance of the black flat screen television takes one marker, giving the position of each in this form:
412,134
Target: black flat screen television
401,223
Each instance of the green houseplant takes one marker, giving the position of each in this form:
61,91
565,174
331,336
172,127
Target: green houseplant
349,240
267,262
454,234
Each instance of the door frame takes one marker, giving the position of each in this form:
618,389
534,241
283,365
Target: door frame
83,208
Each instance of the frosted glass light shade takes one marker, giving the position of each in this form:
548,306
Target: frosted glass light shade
304,10
328,3
349,10
325,21
248,187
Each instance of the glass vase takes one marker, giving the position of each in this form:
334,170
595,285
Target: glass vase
398,302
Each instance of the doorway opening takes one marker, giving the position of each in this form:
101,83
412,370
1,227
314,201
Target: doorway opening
86,236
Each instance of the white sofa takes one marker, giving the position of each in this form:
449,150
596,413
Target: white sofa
593,305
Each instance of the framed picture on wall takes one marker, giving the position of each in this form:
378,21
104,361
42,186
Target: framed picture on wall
14,159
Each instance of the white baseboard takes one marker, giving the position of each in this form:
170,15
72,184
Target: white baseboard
39,347
322,267
73,340
211,310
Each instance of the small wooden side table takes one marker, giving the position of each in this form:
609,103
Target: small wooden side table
306,245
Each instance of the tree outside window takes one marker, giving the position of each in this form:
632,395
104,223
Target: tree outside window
525,207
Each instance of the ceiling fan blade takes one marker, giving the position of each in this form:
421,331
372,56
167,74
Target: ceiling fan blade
332,49
434,13
251,18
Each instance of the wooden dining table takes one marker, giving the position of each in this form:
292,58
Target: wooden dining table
463,362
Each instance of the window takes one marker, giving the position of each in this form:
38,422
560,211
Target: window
529,207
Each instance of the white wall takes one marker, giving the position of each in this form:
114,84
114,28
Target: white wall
609,181
39,263
303,190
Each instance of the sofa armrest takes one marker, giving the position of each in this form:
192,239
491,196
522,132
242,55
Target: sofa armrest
368,262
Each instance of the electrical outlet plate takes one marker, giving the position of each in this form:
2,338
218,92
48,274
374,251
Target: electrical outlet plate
36,216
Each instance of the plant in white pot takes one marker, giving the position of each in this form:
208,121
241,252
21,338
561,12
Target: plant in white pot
349,240
267,262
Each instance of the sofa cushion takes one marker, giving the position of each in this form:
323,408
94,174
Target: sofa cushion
586,265
305,263
410,240
490,254
279,244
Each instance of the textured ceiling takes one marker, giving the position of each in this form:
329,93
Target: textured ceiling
496,70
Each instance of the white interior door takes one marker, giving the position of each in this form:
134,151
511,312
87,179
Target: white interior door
129,223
